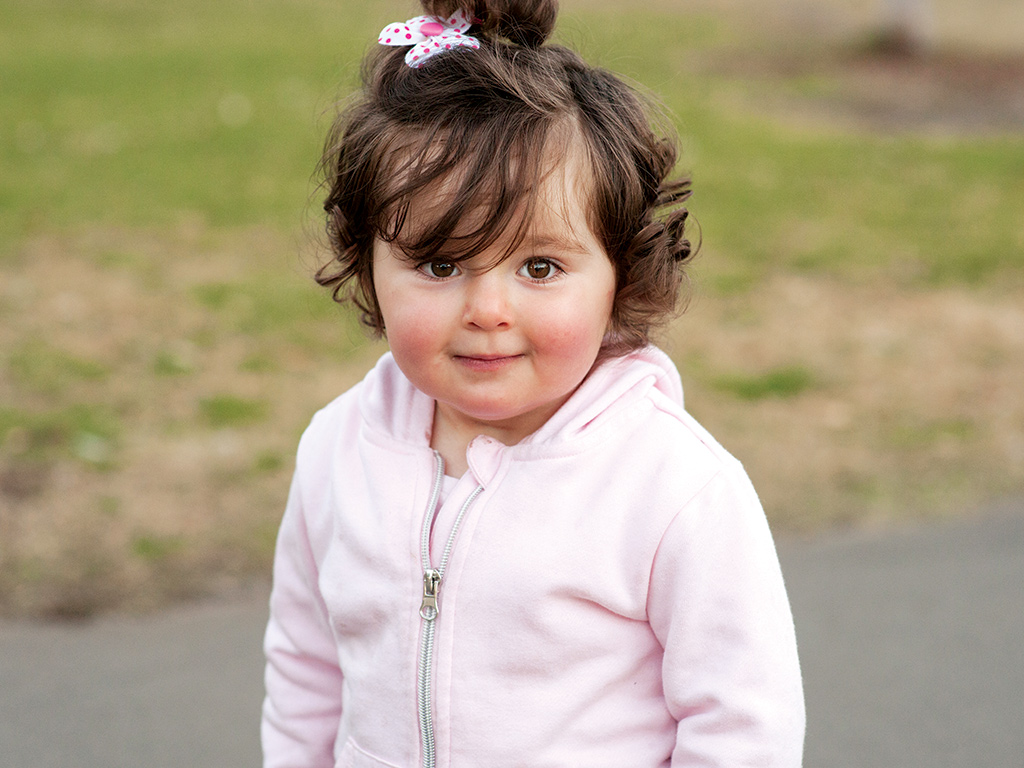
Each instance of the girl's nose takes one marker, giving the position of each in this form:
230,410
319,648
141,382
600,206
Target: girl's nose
487,302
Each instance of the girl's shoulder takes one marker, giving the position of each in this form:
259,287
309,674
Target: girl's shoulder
330,417
663,423
383,407
686,445
338,418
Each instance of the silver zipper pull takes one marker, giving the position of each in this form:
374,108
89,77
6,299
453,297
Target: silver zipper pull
431,588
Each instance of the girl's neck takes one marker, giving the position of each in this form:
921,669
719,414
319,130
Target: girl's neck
450,436
452,447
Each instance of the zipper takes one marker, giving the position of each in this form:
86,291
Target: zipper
430,608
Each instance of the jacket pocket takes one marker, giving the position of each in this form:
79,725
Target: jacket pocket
354,756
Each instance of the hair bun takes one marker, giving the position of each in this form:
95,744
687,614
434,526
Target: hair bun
523,22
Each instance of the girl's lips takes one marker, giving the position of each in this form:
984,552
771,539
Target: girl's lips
486,362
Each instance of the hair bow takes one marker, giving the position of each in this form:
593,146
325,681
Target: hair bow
429,35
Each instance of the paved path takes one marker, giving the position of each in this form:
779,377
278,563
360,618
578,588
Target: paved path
912,644
178,690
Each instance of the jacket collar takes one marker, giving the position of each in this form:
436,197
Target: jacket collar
391,406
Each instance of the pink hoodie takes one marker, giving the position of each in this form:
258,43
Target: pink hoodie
609,593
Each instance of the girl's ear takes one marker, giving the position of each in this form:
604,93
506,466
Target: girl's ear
611,330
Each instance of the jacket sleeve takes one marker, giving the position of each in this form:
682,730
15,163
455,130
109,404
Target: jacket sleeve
302,707
718,606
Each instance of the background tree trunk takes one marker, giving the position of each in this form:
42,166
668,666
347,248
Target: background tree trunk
907,27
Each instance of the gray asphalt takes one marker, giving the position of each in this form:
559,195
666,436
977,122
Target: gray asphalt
912,644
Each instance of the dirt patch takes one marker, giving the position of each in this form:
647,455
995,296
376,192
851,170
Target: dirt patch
995,26
948,68
148,426
911,404
871,86
150,409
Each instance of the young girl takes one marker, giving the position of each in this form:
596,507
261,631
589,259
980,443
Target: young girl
510,545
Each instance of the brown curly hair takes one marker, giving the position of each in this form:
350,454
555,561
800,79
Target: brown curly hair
482,122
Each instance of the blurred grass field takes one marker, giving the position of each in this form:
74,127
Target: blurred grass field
856,334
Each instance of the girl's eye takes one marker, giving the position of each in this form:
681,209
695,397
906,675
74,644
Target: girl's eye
438,269
538,269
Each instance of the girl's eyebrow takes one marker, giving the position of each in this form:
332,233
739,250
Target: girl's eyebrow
562,243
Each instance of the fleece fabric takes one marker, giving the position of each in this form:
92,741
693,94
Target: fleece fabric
611,598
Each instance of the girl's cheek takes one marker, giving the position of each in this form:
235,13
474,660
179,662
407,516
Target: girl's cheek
405,333
573,331
413,330
564,340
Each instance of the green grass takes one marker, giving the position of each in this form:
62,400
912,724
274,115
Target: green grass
262,306
910,210
39,366
154,548
86,432
917,435
231,411
122,112
778,382
170,363
143,113
913,209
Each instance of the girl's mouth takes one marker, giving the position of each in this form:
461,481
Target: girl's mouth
486,362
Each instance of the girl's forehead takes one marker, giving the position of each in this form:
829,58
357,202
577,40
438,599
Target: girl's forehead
561,202
557,205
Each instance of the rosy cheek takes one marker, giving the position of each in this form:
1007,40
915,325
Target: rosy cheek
410,335
571,338
415,330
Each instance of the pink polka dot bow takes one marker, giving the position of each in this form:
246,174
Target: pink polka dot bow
429,36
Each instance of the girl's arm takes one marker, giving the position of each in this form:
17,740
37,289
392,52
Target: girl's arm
718,605
303,681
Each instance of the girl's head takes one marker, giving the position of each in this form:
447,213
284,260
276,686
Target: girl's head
449,160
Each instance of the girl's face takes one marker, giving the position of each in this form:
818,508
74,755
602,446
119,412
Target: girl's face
501,348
